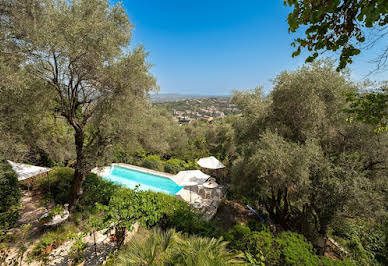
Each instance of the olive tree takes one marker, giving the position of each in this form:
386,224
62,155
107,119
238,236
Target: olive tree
297,158
80,51
340,26
370,107
298,186
28,129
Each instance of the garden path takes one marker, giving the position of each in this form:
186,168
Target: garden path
30,213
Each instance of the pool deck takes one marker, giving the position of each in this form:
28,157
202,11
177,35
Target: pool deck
208,206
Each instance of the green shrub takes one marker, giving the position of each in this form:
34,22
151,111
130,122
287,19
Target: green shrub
296,250
77,250
9,195
58,184
256,243
121,156
191,165
365,241
50,241
173,166
126,207
255,225
238,237
181,216
57,210
97,189
287,248
153,162
168,212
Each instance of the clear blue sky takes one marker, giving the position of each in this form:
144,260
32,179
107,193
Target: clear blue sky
215,46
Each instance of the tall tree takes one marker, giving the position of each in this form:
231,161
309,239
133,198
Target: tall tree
298,159
80,51
370,107
340,25
348,26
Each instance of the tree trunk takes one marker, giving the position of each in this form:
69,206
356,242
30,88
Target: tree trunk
323,233
80,170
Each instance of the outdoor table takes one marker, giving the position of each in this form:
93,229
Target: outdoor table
209,188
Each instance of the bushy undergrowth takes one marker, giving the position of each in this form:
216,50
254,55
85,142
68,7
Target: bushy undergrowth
50,241
10,195
57,186
167,212
366,242
181,216
171,212
155,162
287,248
96,190
171,165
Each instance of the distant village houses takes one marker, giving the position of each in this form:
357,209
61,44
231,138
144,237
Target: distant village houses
206,109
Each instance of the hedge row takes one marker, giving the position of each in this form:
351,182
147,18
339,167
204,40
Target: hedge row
9,195
154,162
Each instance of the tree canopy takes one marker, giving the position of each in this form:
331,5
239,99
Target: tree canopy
79,53
339,26
299,160
370,107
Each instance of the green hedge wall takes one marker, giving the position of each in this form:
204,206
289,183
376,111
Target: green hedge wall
9,195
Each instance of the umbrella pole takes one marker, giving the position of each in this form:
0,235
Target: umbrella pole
190,194
48,180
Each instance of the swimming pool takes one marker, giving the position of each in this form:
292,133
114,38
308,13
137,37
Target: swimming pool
131,178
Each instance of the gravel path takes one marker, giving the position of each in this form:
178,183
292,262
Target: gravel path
30,213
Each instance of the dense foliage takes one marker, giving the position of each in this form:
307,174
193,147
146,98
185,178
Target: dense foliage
85,70
158,247
50,241
155,162
286,248
365,241
300,161
9,195
370,107
339,25
57,184
291,154
161,209
126,207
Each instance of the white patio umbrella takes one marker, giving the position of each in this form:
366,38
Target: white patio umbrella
190,178
24,171
210,163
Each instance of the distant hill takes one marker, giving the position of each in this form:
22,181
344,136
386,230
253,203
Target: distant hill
168,97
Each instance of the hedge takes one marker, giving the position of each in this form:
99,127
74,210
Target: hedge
9,195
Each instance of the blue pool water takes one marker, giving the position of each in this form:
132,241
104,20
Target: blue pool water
131,178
